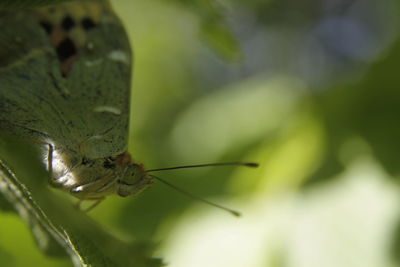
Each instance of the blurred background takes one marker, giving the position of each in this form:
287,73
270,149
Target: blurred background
309,89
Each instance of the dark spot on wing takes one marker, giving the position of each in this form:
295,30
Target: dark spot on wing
47,27
66,49
85,161
87,23
108,164
67,23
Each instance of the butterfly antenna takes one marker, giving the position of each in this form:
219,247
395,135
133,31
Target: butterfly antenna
233,212
246,164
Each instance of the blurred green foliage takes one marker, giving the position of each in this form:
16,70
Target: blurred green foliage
309,90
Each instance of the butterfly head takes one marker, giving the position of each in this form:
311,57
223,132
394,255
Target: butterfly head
133,180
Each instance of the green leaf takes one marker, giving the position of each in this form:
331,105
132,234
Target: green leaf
6,259
59,228
369,109
5,205
214,28
221,39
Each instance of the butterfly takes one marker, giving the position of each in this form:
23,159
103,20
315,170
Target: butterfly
65,74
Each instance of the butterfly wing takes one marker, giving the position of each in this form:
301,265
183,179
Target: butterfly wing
100,82
27,67
76,89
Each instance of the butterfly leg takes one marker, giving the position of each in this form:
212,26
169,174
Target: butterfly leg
52,179
96,202
49,164
50,160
